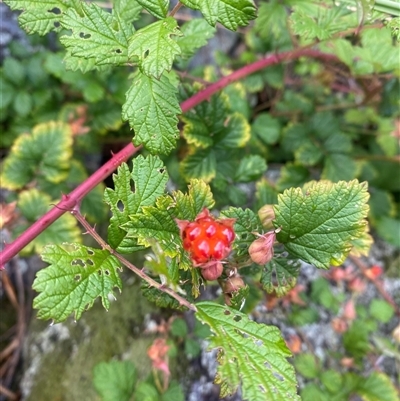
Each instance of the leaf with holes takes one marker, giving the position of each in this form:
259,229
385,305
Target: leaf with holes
319,222
230,13
154,47
251,354
41,16
77,275
46,153
151,108
279,275
148,179
96,34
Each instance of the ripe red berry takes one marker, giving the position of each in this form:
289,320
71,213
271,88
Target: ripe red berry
207,239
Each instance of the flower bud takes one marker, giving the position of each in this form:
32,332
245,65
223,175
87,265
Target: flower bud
266,215
262,249
233,284
212,270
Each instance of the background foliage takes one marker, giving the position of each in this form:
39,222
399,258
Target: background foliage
324,130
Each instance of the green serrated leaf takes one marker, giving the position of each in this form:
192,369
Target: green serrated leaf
267,128
318,223
230,13
127,10
189,205
377,387
22,103
250,354
312,20
381,310
339,167
250,168
44,153
246,223
235,134
332,380
159,298
279,275
149,178
158,8
13,71
151,107
33,204
156,222
201,164
196,33
206,120
389,229
307,366
146,392
115,380
40,16
292,175
266,194
174,392
97,35
154,46
77,275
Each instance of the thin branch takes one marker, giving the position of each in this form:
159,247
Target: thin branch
175,9
66,204
69,201
92,232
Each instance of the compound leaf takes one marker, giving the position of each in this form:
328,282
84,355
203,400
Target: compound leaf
230,13
250,353
77,275
96,34
115,380
151,107
154,46
279,275
318,223
148,178
44,153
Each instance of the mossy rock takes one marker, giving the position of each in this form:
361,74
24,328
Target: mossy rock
59,359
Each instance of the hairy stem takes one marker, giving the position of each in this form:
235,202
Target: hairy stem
68,202
92,232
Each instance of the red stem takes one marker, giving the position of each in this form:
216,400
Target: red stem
68,202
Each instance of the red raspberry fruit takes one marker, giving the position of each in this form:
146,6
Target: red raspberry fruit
207,239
